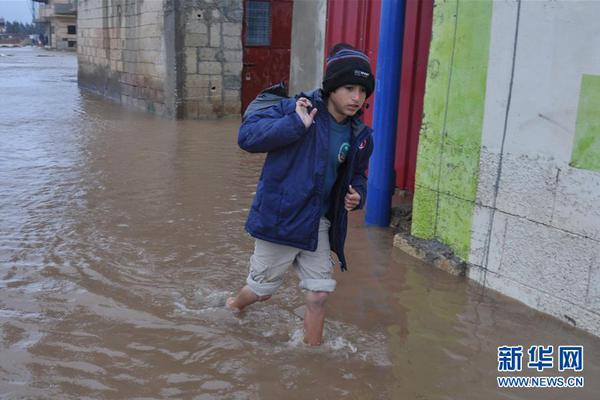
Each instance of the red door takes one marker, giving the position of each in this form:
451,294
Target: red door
267,37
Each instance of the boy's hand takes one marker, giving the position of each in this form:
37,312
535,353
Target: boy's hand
302,105
352,199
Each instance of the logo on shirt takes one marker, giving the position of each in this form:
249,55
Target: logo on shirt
343,152
363,144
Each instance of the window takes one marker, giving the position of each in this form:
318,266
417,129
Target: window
72,29
72,43
258,23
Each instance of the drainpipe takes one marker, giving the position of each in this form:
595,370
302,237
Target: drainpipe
385,112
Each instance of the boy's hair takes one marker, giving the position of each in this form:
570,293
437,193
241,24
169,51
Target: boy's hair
347,65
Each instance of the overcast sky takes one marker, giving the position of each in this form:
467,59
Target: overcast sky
16,10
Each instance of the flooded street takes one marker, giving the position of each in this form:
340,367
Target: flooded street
121,235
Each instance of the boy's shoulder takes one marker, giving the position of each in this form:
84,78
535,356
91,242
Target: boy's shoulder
315,97
275,97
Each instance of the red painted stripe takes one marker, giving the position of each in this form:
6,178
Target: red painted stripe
417,37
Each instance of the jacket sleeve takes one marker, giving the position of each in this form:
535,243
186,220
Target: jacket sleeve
359,179
272,128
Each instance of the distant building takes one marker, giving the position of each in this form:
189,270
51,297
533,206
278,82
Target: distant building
60,20
2,25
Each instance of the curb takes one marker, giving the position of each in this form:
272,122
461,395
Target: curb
431,252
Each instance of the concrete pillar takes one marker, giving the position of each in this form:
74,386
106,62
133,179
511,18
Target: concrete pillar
308,45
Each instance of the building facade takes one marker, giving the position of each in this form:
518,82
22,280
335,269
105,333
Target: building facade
200,58
174,59
508,169
60,20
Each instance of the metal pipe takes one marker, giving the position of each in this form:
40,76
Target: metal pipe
385,112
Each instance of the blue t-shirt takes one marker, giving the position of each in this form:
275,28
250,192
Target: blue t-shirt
339,145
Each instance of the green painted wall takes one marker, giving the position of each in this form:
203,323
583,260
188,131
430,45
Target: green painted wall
586,149
450,138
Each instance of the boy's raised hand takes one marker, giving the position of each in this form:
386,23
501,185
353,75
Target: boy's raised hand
302,105
352,199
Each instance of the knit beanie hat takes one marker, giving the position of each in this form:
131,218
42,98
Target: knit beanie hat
347,65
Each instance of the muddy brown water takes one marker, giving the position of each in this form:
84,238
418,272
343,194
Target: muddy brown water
121,235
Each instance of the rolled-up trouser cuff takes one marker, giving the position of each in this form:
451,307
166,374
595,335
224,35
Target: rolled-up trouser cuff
318,285
263,289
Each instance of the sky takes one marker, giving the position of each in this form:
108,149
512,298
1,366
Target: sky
16,10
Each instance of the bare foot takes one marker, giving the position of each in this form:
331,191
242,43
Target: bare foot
306,343
229,305
244,298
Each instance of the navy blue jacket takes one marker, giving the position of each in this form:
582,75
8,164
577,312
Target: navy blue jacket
287,205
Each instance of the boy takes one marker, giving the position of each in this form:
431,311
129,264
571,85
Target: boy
314,173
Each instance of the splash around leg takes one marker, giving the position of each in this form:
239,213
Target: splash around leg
243,299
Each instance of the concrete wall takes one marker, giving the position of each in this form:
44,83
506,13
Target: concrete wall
308,45
450,137
175,59
532,229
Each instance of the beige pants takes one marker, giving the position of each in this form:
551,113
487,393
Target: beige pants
270,261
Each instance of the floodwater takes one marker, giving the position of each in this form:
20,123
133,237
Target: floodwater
121,235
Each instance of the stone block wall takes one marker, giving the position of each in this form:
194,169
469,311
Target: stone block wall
178,59
212,37
122,52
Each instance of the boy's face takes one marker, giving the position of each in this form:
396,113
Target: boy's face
348,99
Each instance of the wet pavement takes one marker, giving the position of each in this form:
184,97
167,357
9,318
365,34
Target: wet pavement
121,235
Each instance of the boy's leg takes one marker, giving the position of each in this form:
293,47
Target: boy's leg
244,298
267,267
314,317
315,270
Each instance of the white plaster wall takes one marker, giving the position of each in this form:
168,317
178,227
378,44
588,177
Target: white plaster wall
308,45
536,228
